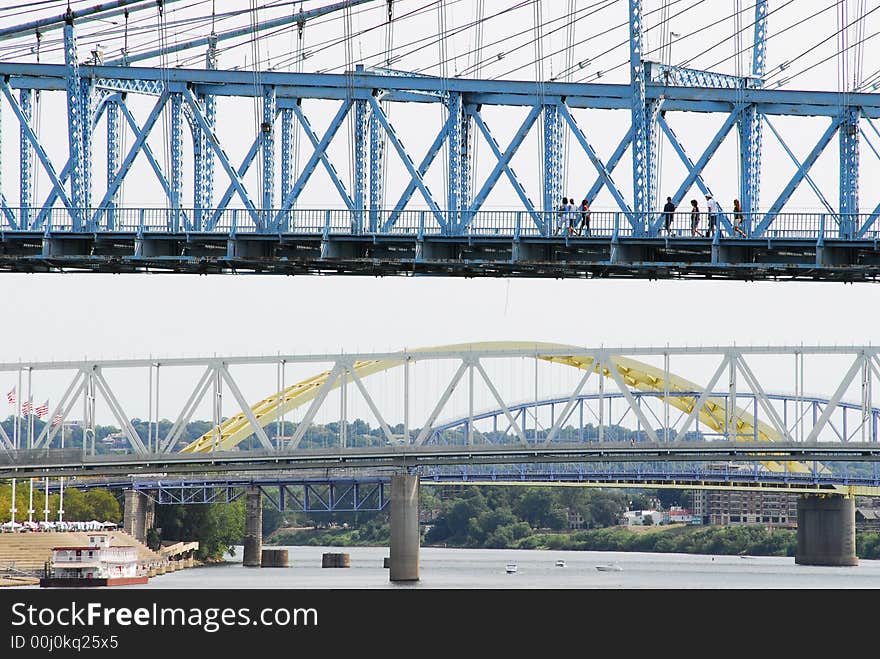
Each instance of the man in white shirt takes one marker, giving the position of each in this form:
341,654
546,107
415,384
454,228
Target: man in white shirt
572,215
713,209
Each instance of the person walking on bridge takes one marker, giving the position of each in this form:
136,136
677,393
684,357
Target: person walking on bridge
713,210
572,216
695,218
585,218
668,210
562,216
738,218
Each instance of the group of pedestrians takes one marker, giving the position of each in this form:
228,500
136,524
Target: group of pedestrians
713,209
569,213
573,219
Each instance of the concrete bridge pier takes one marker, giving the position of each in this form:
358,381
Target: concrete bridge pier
253,527
826,532
139,514
404,528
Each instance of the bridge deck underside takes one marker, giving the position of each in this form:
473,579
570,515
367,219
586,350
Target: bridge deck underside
466,256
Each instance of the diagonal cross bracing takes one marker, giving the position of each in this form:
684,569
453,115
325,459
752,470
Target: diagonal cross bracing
504,407
695,170
800,165
41,153
321,151
248,412
604,170
605,174
569,406
798,176
189,407
318,155
429,423
761,395
856,366
614,371
139,143
411,186
503,164
214,143
148,154
379,114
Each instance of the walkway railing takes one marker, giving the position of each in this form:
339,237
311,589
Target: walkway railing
813,226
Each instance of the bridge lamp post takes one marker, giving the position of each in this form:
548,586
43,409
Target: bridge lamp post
672,36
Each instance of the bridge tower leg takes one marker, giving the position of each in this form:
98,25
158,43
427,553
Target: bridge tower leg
644,127
404,528
361,165
849,172
377,164
253,527
826,533
751,125
26,179
553,165
139,514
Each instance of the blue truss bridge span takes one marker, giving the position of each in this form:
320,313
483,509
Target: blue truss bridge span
347,493
358,167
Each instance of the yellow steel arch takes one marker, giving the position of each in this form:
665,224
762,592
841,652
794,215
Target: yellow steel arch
635,374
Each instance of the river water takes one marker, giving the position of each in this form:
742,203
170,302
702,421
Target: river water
486,569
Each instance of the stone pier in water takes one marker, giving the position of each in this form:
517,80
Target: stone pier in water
253,527
139,514
826,532
405,539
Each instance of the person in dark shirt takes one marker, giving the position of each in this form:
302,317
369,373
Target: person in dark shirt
585,217
668,210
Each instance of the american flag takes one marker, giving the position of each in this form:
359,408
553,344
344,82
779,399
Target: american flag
26,407
56,420
43,410
10,396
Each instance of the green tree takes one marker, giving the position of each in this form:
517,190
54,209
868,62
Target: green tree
104,506
76,506
272,517
216,527
535,506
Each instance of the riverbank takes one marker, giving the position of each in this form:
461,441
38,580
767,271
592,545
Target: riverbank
24,556
752,540
17,582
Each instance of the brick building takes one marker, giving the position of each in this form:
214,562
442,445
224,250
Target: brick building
745,507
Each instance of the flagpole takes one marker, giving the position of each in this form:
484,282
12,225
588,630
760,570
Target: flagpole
15,443
30,417
61,482
46,509
30,441
12,508
18,415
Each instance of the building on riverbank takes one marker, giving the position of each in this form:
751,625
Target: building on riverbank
729,507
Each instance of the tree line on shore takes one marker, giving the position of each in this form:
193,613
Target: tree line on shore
537,518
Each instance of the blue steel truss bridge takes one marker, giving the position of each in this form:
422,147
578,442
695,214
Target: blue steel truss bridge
380,164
